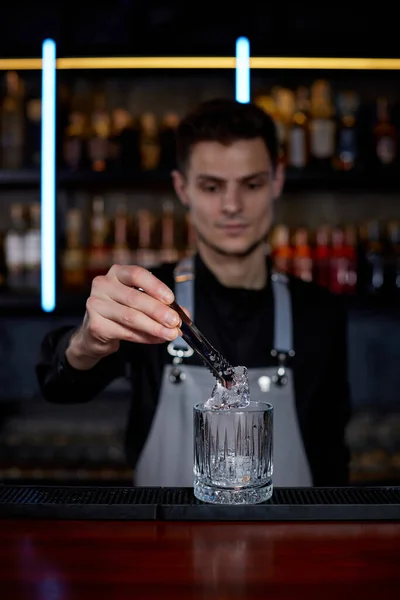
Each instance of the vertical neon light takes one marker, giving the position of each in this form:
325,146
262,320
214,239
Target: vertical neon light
48,168
242,70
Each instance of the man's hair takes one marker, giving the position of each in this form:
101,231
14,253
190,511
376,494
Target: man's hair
224,121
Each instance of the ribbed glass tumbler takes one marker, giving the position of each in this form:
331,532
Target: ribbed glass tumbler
233,454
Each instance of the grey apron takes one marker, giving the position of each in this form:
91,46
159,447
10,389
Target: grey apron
167,456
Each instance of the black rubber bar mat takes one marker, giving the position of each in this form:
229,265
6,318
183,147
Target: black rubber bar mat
179,504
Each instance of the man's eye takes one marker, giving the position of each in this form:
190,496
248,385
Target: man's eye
210,187
254,185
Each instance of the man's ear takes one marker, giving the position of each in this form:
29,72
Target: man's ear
179,183
279,180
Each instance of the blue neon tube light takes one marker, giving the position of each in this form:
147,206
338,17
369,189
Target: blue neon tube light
242,70
48,173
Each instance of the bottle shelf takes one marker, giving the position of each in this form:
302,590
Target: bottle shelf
295,181
19,178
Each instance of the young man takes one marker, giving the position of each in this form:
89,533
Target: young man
291,335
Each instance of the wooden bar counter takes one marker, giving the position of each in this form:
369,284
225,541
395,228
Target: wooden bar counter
61,560
68,559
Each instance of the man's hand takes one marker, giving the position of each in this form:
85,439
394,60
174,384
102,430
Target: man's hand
116,311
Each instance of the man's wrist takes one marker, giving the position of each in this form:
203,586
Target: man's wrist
77,356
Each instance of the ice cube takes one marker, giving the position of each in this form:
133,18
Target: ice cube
237,396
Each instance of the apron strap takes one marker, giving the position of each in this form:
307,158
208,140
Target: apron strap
184,295
283,329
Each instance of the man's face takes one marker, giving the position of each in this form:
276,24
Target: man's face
230,192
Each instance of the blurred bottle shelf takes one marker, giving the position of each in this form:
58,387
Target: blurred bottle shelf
45,442
358,261
296,181
332,134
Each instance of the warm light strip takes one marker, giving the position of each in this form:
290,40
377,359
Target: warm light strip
149,62
20,64
362,64
205,62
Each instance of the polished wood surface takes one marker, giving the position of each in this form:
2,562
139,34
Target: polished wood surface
74,560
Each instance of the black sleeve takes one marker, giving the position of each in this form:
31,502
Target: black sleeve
329,410
59,382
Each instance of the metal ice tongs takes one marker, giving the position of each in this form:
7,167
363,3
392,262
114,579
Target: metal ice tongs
216,363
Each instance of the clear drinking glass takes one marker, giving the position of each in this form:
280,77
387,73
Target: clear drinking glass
233,454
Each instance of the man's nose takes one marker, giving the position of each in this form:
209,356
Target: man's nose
231,202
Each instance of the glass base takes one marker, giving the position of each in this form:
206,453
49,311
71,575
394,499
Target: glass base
218,495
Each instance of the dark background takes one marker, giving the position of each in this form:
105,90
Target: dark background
126,27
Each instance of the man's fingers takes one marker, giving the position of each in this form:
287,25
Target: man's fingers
144,303
138,277
129,319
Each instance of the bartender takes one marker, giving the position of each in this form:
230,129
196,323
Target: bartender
290,334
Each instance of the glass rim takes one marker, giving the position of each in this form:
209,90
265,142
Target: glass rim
262,407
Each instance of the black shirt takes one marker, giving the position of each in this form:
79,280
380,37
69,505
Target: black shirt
240,324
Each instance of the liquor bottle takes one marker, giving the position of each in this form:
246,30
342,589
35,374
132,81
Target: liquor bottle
32,248
385,135
284,110
12,123
267,102
99,256
14,247
33,125
99,133
373,259
338,279
146,254
302,256
75,138
322,256
322,125
64,109
281,250
149,142
124,141
343,261
167,140
350,252
168,251
121,252
347,151
74,255
190,239
299,137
